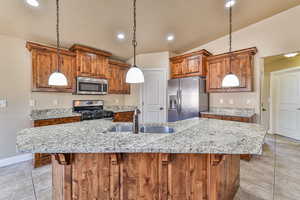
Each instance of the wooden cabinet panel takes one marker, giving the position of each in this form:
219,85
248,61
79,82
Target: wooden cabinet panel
192,64
151,176
91,62
123,117
117,78
176,68
241,65
41,159
44,62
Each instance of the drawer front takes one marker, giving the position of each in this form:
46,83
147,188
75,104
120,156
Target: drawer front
123,117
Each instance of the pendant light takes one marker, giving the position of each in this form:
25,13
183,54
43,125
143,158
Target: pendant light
134,74
57,78
230,79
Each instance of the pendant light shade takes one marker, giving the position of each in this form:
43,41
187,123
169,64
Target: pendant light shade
57,79
230,80
134,74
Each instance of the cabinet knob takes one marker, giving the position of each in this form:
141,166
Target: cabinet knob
161,108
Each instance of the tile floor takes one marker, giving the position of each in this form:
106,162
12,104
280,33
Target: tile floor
21,182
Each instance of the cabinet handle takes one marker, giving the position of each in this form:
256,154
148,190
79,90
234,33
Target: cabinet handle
298,109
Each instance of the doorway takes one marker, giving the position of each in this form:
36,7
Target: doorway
153,95
285,102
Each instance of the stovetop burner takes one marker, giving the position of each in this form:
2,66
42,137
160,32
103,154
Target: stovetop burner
91,109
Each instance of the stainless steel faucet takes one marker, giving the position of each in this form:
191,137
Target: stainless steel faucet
136,126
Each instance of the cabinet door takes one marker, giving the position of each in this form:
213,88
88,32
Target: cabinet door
125,86
114,80
241,67
67,68
84,64
42,67
99,66
176,68
216,72
193,65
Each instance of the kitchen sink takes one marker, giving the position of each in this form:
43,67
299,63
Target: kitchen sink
121,128
156,129
143,129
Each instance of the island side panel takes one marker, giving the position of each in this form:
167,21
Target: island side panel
139,176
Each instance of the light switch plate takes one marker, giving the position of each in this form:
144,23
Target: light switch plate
3,103
231,101
221,101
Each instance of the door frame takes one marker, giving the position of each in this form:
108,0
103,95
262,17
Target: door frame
165,72
273,112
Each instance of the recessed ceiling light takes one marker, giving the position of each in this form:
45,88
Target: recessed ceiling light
121,36
170,37
229,3
33,3
289,55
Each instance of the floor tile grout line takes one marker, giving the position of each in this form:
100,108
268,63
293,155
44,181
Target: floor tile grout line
34,192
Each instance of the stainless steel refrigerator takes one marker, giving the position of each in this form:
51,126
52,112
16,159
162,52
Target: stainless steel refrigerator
186,98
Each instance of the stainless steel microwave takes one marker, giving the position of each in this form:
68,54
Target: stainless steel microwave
91,86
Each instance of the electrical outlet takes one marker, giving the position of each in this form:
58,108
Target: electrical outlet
248,101
55,102
231,101
3,103
32,103
221,101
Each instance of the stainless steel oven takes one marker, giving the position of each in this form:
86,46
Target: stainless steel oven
91,86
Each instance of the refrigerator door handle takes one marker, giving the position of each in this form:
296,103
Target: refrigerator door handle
178,105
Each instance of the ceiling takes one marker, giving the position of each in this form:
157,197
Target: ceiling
96,22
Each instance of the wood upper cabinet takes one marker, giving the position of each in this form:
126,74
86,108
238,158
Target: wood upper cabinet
91,62
44,62
117,78
242,64
192,64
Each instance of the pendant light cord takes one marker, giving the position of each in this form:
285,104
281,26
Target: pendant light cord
134,42
230,38
57,35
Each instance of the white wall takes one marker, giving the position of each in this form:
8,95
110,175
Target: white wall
149,60
15,86
276,35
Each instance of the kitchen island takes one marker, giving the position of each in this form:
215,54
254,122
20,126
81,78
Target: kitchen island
200,160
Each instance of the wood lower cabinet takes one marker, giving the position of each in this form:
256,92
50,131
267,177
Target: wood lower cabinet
91,62
41,159
44,63
242,65
145,176
246,157
123,117
117,78
192,64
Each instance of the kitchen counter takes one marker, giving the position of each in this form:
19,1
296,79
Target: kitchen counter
53,114
117,109
195,135
232,112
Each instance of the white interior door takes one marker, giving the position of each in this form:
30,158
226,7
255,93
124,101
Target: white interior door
288,104
153,92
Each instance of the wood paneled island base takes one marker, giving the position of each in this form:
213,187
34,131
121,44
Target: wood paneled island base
145,176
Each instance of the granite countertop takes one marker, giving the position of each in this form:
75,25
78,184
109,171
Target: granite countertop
44,114
233,112
195,135
117,109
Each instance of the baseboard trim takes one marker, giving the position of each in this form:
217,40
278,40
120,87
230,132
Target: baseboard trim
15,159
